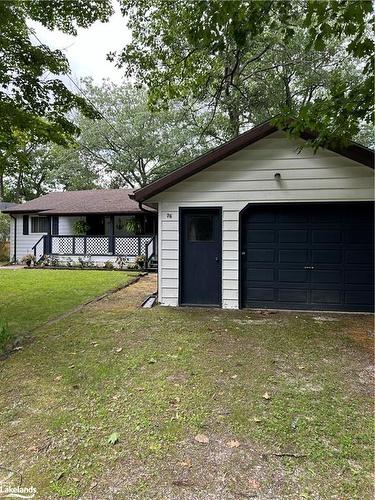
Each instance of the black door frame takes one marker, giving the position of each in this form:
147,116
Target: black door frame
277,204
180,238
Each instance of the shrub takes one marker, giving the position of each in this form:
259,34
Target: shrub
69,262
80,227
121,262
85,262
109,265
140,261
28,259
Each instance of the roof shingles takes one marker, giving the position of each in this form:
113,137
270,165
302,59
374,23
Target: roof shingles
94,201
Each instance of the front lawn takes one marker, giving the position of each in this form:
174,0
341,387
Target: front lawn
122,402
30,297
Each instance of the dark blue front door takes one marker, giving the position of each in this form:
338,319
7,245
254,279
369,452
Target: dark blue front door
200,257
308,256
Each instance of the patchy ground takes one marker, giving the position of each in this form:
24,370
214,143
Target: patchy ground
201,404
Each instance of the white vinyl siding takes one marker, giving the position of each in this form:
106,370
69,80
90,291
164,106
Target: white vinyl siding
25,242
248,177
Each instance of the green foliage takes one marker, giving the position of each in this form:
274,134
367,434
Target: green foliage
113,438
34,102
133,226
80,227
4,227
109,265
133,145
253,60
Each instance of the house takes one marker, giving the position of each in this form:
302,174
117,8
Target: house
101,224
259,222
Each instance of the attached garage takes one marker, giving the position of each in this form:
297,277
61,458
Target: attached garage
308,256
264,222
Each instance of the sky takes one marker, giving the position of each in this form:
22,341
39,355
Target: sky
87,51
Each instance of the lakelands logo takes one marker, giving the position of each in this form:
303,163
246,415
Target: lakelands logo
17,491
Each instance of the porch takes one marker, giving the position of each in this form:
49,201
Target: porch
99,246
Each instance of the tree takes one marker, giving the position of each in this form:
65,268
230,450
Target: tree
4,228
296,58
129,147
34,102
132,146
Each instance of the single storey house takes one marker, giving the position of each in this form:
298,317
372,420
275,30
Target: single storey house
101,224
259,222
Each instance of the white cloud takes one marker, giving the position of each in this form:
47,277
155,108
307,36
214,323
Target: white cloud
87,51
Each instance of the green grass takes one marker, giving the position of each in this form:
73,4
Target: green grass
158,377
30,297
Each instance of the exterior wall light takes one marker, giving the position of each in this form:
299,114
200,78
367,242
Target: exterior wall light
277,176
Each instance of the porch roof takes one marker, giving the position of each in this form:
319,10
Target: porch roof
92,201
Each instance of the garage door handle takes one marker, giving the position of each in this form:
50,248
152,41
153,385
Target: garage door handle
309,267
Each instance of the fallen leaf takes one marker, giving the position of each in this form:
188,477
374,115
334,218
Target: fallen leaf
59,377
71,366
152,361
233,444
266,396
202,438
253,483
257,419
113,438
234,376
119,349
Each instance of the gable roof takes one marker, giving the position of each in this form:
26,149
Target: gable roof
92,201
354,151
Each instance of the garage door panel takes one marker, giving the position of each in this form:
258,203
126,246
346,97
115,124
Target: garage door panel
326,236
262,236
260,294
357,297
358,277
289,255
323,296
358,256
260,255
263,216
293,236
328,256
296,295
292,275
328,276
310,256
261,275
358,237
291,216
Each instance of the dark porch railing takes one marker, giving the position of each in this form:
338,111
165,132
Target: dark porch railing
95,246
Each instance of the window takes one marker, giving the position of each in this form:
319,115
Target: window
200,228
39,224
